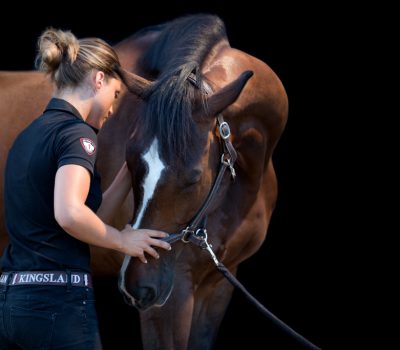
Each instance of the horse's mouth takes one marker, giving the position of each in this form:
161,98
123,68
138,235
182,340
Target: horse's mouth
146,297
141,297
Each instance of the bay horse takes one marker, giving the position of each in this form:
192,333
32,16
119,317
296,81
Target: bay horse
197,82
184,78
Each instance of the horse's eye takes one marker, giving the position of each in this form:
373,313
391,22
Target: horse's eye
193,177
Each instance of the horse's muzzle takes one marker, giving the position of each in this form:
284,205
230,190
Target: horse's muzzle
145,297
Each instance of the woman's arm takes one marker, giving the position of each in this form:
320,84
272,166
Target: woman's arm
70,191
114,196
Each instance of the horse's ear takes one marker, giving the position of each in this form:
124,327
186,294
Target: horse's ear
218,101
134,83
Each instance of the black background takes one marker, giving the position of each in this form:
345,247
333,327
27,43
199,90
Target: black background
299,273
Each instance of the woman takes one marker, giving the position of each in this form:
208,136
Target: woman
52,192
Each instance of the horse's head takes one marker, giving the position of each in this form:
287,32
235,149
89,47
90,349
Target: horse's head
174,156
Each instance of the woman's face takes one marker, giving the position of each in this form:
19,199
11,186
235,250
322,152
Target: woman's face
107,91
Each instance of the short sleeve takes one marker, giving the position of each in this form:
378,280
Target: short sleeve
76,144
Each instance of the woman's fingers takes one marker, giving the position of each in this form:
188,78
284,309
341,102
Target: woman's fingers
142,258
151,251
155,233
143,241
159,243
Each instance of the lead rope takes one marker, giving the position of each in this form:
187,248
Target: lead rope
201,236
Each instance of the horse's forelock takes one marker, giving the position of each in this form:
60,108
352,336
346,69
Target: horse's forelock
177,55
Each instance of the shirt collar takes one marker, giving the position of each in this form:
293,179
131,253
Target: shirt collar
62,105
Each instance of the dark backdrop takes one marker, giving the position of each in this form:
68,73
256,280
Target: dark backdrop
295,272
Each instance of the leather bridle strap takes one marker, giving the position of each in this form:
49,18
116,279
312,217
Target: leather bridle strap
192,232
228,159
193,229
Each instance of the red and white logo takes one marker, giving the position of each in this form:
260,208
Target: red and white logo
88,145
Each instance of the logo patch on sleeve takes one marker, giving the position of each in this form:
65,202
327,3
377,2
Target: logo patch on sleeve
88,145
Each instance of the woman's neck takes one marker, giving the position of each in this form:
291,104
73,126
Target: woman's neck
80,98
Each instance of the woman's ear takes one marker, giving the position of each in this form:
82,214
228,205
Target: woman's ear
99,79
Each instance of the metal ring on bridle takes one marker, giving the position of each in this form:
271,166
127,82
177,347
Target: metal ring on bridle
225,130
226,161
201,233
186,233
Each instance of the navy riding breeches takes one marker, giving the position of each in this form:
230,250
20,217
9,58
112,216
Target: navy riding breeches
48,317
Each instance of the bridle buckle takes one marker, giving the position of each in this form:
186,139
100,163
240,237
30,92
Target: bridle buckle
225,130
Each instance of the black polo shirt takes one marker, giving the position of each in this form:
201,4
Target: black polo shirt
37,242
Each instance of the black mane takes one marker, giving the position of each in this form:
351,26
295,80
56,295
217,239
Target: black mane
179,50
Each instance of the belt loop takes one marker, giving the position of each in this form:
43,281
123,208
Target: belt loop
8,281
69,280
85,280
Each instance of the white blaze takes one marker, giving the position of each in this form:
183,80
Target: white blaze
155,167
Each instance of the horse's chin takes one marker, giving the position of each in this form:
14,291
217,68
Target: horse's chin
144,304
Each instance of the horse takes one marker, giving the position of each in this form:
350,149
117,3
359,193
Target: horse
193,105
204,104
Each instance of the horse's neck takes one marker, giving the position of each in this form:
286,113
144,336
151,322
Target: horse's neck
132,49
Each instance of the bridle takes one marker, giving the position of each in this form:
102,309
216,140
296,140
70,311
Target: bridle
195,230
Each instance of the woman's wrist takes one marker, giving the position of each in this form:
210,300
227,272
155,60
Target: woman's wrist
117,239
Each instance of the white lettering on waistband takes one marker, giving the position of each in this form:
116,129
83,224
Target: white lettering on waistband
45,278
60,279
75,279
3,278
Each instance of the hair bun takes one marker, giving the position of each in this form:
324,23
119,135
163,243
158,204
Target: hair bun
54,46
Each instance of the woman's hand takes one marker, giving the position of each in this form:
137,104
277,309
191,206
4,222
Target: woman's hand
137,242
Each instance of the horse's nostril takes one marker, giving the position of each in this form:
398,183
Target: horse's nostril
144,295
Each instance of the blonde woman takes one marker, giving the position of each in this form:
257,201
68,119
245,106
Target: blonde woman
52,195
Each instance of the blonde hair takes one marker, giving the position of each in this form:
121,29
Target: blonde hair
68,60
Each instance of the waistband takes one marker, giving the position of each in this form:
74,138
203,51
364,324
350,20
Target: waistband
46,278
